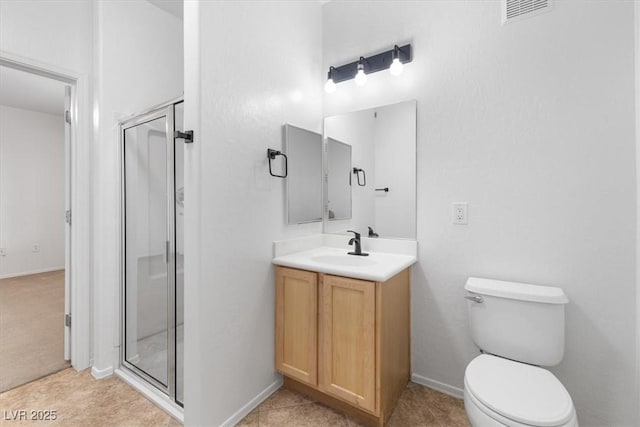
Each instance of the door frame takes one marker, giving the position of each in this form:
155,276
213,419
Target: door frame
80,203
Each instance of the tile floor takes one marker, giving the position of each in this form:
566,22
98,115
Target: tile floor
417,407
81,401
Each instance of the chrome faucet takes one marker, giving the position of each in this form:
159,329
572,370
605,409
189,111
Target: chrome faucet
355,240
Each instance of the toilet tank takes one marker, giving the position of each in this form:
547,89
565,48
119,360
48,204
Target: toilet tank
517,321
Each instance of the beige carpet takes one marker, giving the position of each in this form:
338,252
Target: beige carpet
31,328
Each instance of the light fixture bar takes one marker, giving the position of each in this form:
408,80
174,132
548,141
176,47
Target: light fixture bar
372,64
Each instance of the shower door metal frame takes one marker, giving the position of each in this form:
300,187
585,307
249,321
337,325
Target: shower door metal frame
163,110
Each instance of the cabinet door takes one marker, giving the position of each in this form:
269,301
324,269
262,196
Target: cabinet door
297,324
347,340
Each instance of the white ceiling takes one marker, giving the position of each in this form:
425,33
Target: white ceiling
28,91
174,7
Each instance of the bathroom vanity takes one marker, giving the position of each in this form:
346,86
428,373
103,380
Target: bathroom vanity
343,320
344,339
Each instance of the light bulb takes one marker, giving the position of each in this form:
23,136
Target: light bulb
330,86
396,67
361,77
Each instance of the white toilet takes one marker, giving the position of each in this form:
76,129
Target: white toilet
518,327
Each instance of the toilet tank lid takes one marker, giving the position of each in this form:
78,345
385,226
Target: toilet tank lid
517,291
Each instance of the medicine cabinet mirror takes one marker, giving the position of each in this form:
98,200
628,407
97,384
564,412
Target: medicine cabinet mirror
338,179
371,172
304,179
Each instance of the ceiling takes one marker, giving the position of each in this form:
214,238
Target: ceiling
174,7
20,89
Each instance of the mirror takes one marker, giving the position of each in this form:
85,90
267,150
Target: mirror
380,190
304,179
338,179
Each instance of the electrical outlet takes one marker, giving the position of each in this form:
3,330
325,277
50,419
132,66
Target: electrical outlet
3,252
36,248
459,213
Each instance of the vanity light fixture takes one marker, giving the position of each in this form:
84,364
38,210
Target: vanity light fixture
330,85
396,66
361,77
391,60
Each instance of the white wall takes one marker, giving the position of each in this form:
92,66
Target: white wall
31,190
53,32
252,66
138,63
533,125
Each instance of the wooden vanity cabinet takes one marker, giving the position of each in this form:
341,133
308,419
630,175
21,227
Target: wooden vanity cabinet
297,324
362,354
348,340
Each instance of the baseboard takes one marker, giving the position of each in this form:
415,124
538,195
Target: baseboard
157,397
28,273
438,386
252,404
101,373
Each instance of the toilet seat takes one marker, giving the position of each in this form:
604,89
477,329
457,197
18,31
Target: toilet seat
515,393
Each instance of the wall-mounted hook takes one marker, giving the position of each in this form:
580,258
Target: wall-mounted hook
272,154
357,171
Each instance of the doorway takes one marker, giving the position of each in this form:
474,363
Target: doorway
153,251
35,232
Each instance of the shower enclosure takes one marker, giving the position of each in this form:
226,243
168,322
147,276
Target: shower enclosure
153,255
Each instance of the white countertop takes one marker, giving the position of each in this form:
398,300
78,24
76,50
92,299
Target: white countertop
377,267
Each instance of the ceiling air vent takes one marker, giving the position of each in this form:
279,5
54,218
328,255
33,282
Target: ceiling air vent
513,10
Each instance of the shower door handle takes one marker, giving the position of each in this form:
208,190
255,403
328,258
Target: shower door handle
186,135
166,252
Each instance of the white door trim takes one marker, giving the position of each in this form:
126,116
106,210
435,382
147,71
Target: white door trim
80,174
637,99
68,128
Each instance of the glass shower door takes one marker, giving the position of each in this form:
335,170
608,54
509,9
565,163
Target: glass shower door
149,290
179,215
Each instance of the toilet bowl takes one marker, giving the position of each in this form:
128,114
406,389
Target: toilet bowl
500,392
519,328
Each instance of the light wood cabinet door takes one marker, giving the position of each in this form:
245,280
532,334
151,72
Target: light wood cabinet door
297,324
347,340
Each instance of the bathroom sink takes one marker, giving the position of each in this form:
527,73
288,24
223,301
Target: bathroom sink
377,267
344,260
